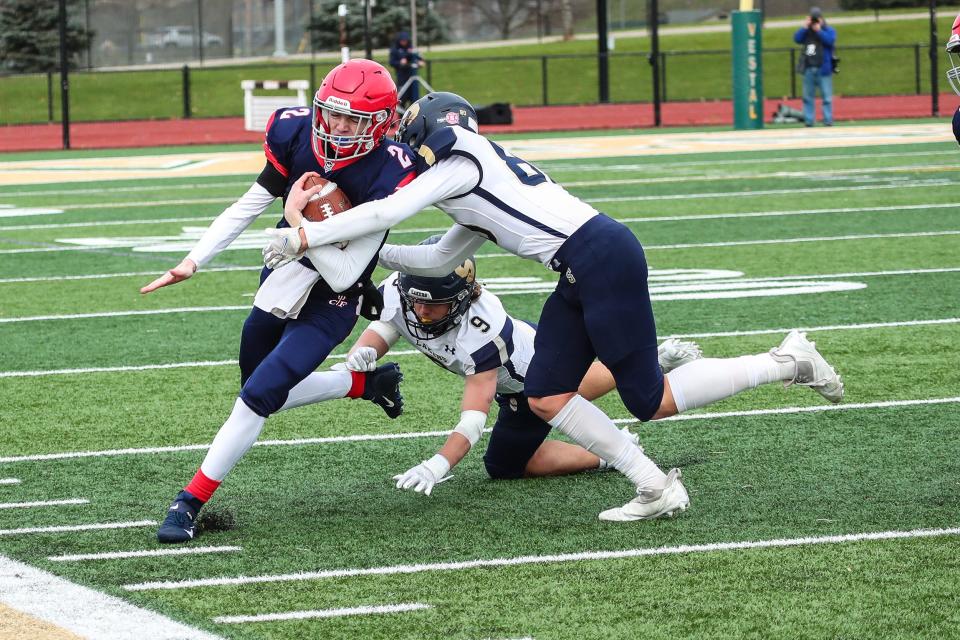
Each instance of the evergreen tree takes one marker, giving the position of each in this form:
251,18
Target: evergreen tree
30,36
389,18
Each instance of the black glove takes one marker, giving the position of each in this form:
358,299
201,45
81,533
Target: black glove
372,301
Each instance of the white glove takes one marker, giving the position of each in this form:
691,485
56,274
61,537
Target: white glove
284,247
363,359
424,476
674,353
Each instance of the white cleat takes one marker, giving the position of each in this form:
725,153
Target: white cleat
674,353
812,369
653,503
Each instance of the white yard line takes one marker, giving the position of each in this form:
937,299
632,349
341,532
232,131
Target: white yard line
757,176
43,503
146,553
36,457
821,189
544,559
835,327
411,352
743,243
200,447
150,367
101,223
145,367
556,166
115,314
157,186
83,611
324,613
128,274
811,409
676,218
9,481
78,527
647,247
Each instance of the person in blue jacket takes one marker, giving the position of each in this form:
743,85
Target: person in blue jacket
816,64
405,61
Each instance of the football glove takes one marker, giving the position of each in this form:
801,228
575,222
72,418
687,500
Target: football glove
424,476
284,247
363,359
674,353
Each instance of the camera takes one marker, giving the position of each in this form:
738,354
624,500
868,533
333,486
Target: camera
814,19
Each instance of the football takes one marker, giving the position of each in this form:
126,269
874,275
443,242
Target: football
329,202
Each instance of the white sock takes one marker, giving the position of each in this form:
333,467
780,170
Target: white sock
317,387
594,431
704,381
234,439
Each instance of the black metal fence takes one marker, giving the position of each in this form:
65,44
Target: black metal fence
203,91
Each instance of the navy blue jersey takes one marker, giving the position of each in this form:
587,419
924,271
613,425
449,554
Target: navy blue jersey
370,177
288,147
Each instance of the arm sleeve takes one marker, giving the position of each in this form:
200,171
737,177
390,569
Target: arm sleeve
828,36
231,223
387,332
798,36
450,177
341,268
432,259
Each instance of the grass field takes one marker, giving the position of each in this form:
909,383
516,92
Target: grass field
804,522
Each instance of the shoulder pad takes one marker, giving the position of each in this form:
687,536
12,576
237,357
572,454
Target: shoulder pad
278,139
435,148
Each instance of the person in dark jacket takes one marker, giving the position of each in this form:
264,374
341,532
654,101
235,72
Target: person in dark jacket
816,65
405,60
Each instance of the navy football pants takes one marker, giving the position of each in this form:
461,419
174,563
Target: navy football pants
600,309
275,354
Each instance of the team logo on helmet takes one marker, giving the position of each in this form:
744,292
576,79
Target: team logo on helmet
452,118
467,271
410,115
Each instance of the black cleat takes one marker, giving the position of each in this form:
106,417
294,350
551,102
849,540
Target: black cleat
181,520
382,388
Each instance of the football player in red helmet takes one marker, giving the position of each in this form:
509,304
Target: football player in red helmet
303,310
352,111
953,74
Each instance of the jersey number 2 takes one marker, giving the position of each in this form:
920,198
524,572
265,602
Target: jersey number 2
295,113
401,157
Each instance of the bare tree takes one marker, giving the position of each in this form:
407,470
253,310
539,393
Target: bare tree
566,15
506,15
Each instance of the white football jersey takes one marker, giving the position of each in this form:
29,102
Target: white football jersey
487,338
514,205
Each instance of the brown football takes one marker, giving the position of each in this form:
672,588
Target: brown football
329,202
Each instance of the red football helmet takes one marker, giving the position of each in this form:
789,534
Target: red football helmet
352,111
953,54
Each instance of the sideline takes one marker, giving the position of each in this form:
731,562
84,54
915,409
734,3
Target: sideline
82,611
544,559
185,165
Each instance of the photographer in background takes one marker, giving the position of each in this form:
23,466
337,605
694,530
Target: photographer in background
816,65
405,60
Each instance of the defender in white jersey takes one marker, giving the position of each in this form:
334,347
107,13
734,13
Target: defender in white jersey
600,309
466,330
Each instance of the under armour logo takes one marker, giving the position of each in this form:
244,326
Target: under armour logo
339,301
450,350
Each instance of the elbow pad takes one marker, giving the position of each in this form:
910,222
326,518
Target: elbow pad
471,425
